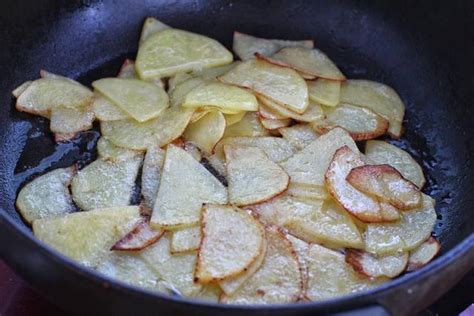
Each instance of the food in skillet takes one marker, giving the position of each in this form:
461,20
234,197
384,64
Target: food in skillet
253,189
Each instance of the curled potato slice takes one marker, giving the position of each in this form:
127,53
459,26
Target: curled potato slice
423,254
185,239
71,120
299,135
170,51
377,266
151,174
47,196
140,237
249,125
275,124
313,112
150,27
231,241
108,151
206,132
232,119
324,91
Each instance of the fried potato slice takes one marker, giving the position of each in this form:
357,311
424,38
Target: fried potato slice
151,174
381,152
330,276
127,70
185,239
47,196
312,113
106,110
171,125
171,51
206,132
141,100
108,151
360,123
299,135
377,97
281,85
249,125
232,119
232,239
105,183
71,120
387,184
177,79
377,266
21,88
181,89
324,91
309,165
151,26
245,46
308,192
278,280
407,234
301,247
87,236
423,254
275,124
268,113
309,62
214,72
184,186
252,176
140,237
129,133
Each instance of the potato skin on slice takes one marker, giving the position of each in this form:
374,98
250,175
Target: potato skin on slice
423,254
377,266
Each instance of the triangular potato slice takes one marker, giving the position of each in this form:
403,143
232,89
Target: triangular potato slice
377,266
299,135
252,176
151,174
312,113
207,131
150,27
249,125
232,239
324,91
170,51
278,280
423,254
140,237
184,186
185,239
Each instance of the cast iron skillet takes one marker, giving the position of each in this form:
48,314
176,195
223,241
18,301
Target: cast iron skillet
422,49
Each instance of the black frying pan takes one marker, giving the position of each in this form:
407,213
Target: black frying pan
423,49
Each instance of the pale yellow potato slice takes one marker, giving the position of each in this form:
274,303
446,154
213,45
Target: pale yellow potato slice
106,110
177,79
232,239
301,247
141,100
47,196
268,113
374,266
218,164
275,124
282,85
245,46
361,123
87,236
299,135
308,193
184,186
381,152
330,276
185,239
249,125
171,51
21,88
138,238
423,254
71,120
214,72
407,234
232,119
129,133
310,62
171,125
108,151
312,113
278,280
150,27
387,184
309,165
198,114
377,97
252,176
105,183
151,174
209,293
181,90
324,91
206,132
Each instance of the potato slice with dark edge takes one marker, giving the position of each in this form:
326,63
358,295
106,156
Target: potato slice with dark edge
330,276
232,239
282,85
140,237
249,125
299,135
377,97
377,266
151,26
278,280
301,247
387,184
312,113
184,186
151,174
380,152
232,119
423,254
185,239
47,196
87,236
206,132
105,183
324,91
252,176
170,51
108,151
275,124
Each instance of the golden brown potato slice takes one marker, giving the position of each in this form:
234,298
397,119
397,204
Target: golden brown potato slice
87,236
232,119
108,151
387,184
206,132
307,192
309,165
171,51
151,174
278,280
185,239
408,233
423,254
140,237
232,239
184,186
381,152
71,120
106,110
150,27
361,123
377,97
249,125
330,276
377,266
301,248
274,124
299,135
324,91
252,176
47,196
245,46
281,85
313,112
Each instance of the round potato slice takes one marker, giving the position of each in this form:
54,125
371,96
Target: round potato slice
423,254
324,91
377,266
206,132
231,241
170,51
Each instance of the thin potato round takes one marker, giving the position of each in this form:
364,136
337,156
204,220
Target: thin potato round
324,91
377,266
140,237
231,241
312,113
206,132
299,135
249,125
423,254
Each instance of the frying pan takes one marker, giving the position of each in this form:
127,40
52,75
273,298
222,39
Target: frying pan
424,49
